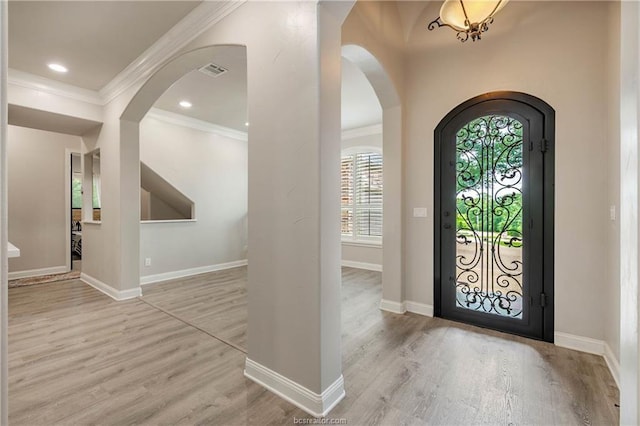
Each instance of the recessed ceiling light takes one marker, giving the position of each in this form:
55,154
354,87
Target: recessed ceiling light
246,123
185,104
57,68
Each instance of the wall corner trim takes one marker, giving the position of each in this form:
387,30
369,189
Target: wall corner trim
38,272
591,346
171,275
362,265
393,307
317,405
612,363
110,291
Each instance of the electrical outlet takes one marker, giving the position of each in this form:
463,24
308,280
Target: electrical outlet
147,261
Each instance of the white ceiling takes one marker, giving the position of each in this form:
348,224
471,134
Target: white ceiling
94,39
221,100
98,39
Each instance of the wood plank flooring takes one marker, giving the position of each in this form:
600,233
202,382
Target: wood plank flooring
215,303
76,357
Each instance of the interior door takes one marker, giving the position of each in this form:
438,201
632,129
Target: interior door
491,200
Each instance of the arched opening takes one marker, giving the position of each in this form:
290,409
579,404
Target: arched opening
391,148
188,127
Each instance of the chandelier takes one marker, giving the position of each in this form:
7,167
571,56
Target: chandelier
469,18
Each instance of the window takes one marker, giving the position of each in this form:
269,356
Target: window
361,187
76,191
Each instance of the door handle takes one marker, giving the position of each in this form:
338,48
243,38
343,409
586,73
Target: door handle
447,226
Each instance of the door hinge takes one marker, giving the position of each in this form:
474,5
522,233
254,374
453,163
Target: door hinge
544,145
543,300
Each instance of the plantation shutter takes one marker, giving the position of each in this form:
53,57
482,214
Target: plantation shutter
347,195
368,194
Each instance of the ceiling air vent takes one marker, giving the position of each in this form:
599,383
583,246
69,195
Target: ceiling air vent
213,70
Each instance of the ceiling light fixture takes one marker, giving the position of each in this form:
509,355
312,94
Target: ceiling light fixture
246,123
57,68
185,104
469,18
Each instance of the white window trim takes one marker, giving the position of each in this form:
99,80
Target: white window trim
374,242
363,240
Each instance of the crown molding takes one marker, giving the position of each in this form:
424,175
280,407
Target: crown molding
375,129
191,26
53,87
194,123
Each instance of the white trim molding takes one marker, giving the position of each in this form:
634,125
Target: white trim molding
406,306
419,308
612,363
318,405
12,251
359,132
591,346
578,343
46,85
38,272
393,307
362,265
363,243
194,123
110,291
150,279
203,17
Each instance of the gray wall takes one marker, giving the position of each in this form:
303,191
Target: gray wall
212,171
553,50
37,207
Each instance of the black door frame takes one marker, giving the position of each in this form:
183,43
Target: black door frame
547,145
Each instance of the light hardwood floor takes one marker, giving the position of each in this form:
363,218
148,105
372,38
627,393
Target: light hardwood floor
77,357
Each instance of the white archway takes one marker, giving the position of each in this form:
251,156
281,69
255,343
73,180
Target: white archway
130,119
392,262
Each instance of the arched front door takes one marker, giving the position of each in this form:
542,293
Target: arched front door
494,214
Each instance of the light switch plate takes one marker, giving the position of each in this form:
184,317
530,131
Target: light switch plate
612,212
419,212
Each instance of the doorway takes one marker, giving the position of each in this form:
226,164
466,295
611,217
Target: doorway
75,236
494,214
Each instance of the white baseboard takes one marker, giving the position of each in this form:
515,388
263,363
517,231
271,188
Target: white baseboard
37,272
394,307
172,275
419,308
318,405
362,265
110,291
612,363
591,346
406,306
578,343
